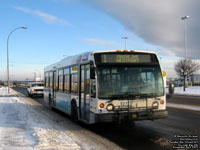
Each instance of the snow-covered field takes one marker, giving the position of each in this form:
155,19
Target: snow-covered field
190,91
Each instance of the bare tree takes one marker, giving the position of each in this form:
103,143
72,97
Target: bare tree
185,68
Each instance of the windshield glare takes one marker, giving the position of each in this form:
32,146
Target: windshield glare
123,80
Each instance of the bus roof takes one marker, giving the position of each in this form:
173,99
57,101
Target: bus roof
83,57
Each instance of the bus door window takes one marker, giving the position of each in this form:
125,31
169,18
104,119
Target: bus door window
82,96
51,79
54,84
46,83
87,90
87,80
93,88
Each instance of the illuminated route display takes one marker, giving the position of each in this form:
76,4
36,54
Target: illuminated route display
126,58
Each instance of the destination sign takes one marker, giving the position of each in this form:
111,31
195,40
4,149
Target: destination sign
126,58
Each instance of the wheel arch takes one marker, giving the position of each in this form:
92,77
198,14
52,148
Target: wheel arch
74,101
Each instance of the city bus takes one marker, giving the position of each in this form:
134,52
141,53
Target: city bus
107,86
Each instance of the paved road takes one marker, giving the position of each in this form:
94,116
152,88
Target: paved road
188,100
153,135
24,91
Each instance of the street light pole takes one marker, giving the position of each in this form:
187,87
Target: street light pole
185,33
8,78
125,38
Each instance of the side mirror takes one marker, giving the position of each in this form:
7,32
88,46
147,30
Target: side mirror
92,70
92,73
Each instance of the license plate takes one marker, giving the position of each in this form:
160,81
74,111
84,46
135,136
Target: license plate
124,104
134,116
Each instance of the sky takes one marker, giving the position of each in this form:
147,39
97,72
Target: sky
61,28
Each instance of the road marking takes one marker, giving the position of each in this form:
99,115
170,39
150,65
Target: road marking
181,106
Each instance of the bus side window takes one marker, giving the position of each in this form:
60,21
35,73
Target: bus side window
60,80
66,80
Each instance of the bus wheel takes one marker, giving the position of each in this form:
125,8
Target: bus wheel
50,103
74,113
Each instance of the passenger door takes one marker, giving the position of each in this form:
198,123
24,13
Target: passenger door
54,86
84,92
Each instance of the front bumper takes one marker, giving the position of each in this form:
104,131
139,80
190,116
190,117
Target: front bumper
131,116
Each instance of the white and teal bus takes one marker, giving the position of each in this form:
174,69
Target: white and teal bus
107,86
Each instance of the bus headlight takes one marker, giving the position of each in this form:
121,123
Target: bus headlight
110,107
155,105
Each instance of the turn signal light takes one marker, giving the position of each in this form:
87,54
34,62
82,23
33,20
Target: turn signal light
125,50
161,102
101,105
132,50
119,51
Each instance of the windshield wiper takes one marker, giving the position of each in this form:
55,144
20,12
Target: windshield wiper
140,95
118,96
149,95
126,95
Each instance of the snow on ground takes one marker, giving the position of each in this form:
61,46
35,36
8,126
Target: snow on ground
26,125
181,106
13,124
190,91
22,127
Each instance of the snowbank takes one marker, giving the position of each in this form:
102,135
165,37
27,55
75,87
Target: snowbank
190,91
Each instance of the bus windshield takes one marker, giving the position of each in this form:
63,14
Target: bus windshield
118,82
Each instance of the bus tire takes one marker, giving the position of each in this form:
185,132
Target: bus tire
74,112
50,103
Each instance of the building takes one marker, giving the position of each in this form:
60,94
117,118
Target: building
195,79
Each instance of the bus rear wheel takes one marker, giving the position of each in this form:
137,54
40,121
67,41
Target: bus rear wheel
74,112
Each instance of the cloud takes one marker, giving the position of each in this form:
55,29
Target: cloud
158,22
166,52
47,18
102,43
